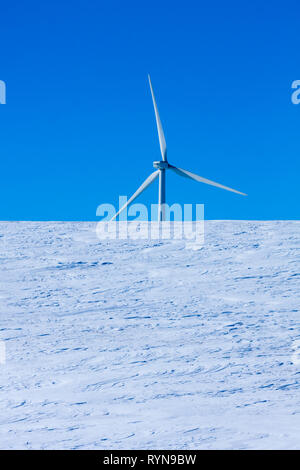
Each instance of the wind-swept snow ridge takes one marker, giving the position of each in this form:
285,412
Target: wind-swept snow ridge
146,344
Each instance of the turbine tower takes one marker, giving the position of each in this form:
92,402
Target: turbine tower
161,167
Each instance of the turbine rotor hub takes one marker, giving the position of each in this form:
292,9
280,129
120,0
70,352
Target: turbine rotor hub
162,165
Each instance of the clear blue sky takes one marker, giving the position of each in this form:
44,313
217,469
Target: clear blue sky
78,128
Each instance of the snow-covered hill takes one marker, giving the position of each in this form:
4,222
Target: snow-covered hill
146,344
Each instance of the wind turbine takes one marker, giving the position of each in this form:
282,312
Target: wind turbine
161,167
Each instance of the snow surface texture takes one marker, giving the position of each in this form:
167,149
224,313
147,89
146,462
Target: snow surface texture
146,344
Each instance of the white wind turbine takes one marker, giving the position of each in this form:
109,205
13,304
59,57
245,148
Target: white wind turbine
164,165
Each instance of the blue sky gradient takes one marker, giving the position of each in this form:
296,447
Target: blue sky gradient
78,128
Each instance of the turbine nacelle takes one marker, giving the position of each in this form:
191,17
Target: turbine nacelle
162,165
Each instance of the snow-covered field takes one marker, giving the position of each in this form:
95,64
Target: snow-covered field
146,344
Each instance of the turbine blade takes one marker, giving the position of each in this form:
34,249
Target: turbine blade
142,188
188,174
161,136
